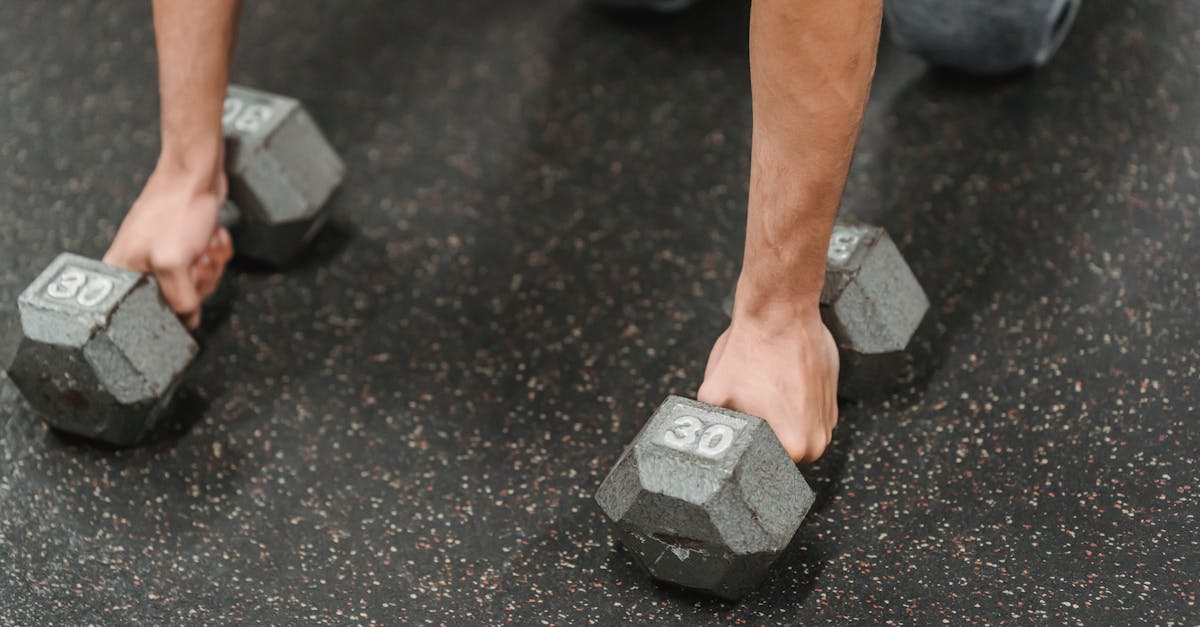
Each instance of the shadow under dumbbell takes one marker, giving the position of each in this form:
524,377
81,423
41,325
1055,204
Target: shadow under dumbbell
900,376
185,410
968,82
182,413
707,20
824,475
691,597
329,242
800,557
623,564
217,309
796,572
922,358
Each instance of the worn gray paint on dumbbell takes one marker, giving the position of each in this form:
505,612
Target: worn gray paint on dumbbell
96,350
872,301
705,497
282,172
982,36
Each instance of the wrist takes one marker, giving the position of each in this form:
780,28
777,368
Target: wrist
787,240
775,304
197,164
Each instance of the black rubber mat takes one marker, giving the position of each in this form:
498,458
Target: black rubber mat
544,208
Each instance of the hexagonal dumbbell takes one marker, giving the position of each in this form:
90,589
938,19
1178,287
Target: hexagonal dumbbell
982,36
282,173
872,300
95,349
705,497
872,304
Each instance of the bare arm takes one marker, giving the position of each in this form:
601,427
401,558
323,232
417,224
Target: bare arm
195,45
811,63
171,230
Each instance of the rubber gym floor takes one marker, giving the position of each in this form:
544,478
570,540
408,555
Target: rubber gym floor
544,208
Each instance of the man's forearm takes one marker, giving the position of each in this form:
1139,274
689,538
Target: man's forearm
195,43
811,65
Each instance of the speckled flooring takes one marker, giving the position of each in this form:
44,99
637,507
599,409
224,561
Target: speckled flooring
543,212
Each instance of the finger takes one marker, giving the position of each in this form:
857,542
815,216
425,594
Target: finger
220,251
205,272
795,445
202,271
178,284
208,276
803,455
117,256
222,248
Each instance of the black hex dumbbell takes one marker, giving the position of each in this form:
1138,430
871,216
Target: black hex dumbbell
282,173
982,36
705,498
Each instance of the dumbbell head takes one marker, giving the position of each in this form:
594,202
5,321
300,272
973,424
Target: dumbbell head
96,350
705,497
870,301
282,173
982,36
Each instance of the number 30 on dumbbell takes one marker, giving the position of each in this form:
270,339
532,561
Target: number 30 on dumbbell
96,351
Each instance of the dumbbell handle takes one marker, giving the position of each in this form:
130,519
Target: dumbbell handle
229,217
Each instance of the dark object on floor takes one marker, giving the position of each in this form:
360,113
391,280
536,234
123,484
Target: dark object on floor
982,36
96,350
705,497
282,172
